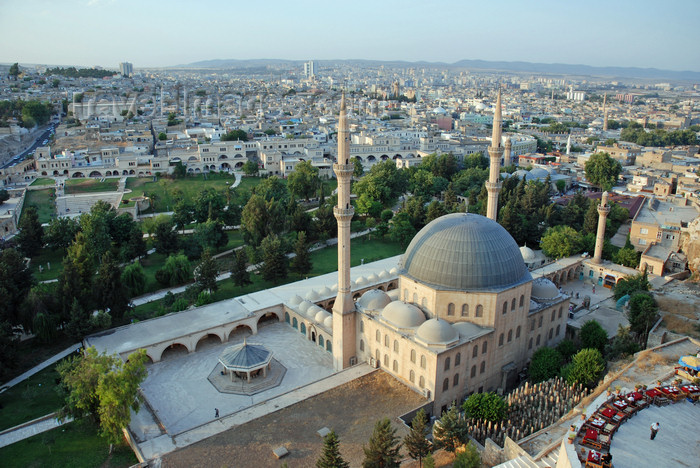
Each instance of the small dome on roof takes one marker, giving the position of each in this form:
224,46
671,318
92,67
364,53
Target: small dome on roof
538,172
480,106
374,299
361,281
328,322
304,306
383,274
313,312
312,295
542,288
393,294
334,288
435,331
325,291
372,278
394,271
403,315
321,315
527,253
295,300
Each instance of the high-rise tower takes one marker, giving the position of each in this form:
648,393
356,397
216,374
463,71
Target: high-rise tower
603,210
493,186
344,307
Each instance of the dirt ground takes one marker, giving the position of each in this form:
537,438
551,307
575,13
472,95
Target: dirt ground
351,410
679,304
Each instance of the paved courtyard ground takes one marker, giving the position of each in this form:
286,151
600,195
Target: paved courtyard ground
350,409
178,390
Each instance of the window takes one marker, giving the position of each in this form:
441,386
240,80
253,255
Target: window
412,376
362,345
386,341
522,300
445,384
558,329
551,333
450,309
644,231
362,326
422,361
505,307
482,369
421,382
539,324
455,380
590,274
447,363
532,325
484,347
386,360
510,336
458,359
559,315
475,351
396,346
553,315
538,341
517,332
413,356
395,366
379,337
479,311
465,310
500,339
529,344
473,374
378,357
512,304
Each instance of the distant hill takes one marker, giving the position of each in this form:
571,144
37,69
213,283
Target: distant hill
520,67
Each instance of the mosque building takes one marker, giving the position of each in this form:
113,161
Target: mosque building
464,314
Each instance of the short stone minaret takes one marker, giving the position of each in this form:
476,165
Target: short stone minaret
605,113
344,307
493,186
507,153
603,210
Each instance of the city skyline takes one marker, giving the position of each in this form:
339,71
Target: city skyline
159,34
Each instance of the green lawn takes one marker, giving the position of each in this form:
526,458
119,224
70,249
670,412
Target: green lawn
74,445
48,255
74,186
45,202
168,190
33,398
150,265
42,181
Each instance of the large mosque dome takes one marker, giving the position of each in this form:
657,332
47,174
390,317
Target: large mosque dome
464,251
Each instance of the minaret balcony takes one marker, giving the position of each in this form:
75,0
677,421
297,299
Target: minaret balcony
343,213
491,186
603,210
342,170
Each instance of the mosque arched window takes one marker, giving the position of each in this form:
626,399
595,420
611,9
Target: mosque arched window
396,346
286,317
559,315
484,347
422,361
302,328
320,342
537,343
505,307
473,374
482,369
412,376
532,325
529,344
295,324
421,382
447,363
558,329
500,339
517,332
539,322
551,333
510,336
413,355
458,359
395,366
386,341
475,351
553,315
362,345
450,309
455,380
379,336
386,360
445,384
377,356
362,326
479,310
512,304
465,310
522,300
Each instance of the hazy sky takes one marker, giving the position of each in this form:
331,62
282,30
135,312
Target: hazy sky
151,33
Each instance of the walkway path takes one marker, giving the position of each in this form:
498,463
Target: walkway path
31,428
42,366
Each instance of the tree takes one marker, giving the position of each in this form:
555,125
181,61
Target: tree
235,135
567,349
628,257
60,232
301,263
622,345
435,210
630,285
250,168
368,206
384,182
179,170
561,185
560,241
134,278
15,282
602,170
135,246
330,457
104,388
415,441
31,236
429,461
274,260
273,188
177,270
593,336
75,283
488,406
239,272
110,292
260,218
303,182
545,364
357,170
162,136
384,447
586,367
450,431
590,218
402,230
209,205
642,314
166,241
4,196
14,71
469,458
206,272
210,234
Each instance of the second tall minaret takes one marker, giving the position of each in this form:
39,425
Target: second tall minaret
493,186
344,307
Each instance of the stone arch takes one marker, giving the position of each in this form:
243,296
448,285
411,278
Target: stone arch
238,165
225,166
192,158
222,156
269,317
132,172
286,317
384,157
78,174
239,332
321,341
302,328
295,324
359,158
207,340
371,158
329,346
397,156
174,351
108,173
238,156
125,172
312,333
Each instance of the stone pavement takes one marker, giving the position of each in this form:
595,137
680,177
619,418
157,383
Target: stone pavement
31,428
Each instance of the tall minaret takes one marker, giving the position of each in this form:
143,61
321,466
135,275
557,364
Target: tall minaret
603,210
344,307
493,186
507,153
605,113
568,145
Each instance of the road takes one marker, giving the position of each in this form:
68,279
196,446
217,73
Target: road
39,142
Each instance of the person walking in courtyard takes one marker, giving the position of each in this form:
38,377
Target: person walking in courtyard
216,412
654,430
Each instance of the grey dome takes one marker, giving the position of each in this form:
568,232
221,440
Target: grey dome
304,306
328,322
374,299
527,253
464,251
542,288
295,300
403,315
436,331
